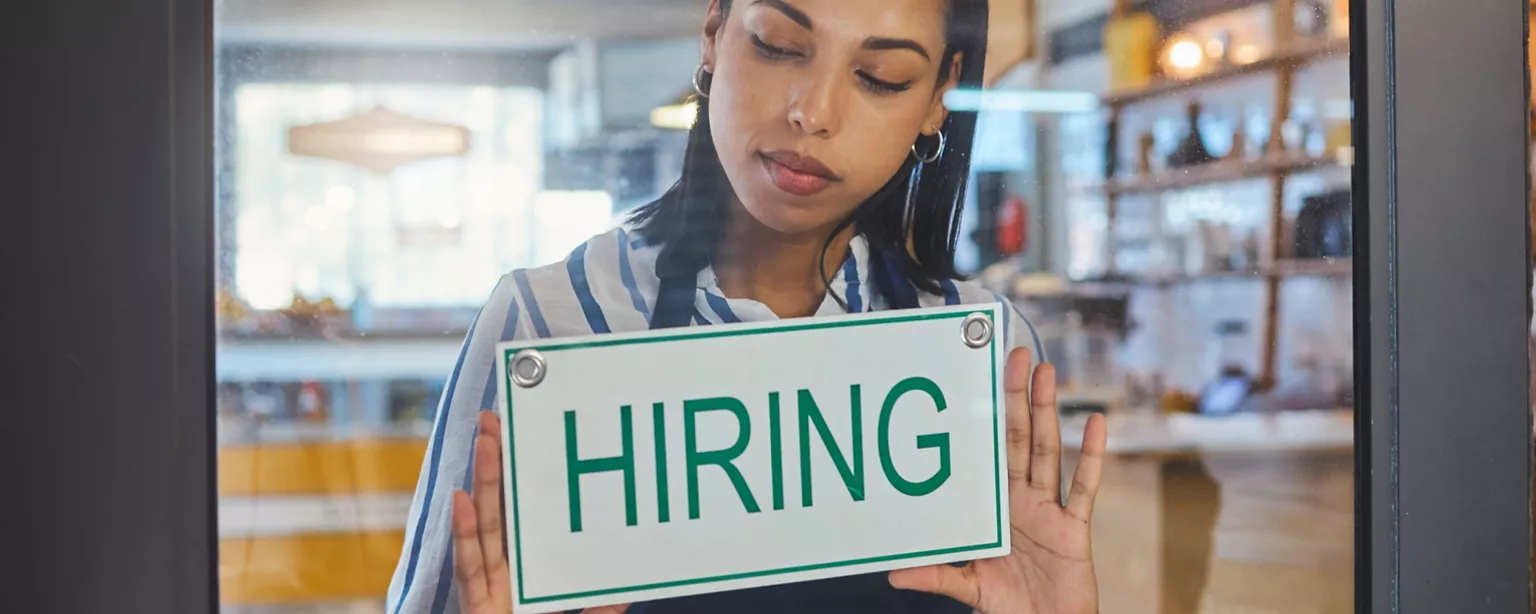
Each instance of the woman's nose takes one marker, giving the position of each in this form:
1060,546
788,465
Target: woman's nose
815,107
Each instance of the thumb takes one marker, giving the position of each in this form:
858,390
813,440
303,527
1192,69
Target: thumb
958,583
612,609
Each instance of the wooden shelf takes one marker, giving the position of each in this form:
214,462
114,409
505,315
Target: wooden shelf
1323,267
1287,58
1301,52
1318,267
1220,171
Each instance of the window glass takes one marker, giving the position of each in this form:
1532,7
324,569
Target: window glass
433,233
1161,188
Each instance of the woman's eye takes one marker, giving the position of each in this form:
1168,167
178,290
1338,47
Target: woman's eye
883,87
771,52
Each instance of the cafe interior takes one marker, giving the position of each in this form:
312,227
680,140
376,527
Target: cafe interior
1162,187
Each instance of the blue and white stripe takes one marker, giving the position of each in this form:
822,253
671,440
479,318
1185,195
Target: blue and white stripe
608,284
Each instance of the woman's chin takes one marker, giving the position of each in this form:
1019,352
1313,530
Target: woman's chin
792,220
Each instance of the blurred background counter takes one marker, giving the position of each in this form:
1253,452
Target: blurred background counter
1251,513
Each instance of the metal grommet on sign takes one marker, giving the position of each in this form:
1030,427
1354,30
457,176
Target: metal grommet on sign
527,368
976,330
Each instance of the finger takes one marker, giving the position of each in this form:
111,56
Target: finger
488,506
1016,400
1045,451
468,564
1090,466
490,424
607,609
958,583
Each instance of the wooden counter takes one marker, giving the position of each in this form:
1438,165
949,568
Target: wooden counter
1233,514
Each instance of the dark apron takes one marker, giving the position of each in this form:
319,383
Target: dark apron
869,593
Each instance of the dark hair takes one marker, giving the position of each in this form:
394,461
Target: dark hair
689,220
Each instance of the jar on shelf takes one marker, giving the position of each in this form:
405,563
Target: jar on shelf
1230,385
1228,353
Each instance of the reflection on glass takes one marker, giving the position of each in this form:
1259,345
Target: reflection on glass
379,171
344,191
1207,216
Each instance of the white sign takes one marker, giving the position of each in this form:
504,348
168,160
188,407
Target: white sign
669,463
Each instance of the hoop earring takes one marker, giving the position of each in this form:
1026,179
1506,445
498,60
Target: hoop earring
913,180
698,81
937,153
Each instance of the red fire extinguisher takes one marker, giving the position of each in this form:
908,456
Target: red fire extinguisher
1013,226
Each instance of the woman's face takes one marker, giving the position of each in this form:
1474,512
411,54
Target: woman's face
815,104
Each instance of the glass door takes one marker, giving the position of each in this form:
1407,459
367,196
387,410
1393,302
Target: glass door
1163,190
1276,253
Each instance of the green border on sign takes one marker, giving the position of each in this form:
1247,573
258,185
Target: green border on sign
694,333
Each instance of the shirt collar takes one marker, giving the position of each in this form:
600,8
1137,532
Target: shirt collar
850,281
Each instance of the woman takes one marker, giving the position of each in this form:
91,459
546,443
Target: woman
824,177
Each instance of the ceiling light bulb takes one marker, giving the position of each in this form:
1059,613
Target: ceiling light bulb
676,116
1246,54
1186,54
1215,48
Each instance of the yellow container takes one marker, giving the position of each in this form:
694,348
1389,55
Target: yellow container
1130,42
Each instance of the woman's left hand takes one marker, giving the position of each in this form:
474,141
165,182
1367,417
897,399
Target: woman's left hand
1050,570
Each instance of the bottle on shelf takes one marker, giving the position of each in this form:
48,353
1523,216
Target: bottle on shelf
1112,147
1323,226
1191,150
1289,137
1146,146
1215,247
1239,148
1250,250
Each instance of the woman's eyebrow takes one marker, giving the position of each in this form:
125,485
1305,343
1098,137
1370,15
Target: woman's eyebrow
794,14
883,44
871,44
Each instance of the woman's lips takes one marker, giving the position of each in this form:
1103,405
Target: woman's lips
797,174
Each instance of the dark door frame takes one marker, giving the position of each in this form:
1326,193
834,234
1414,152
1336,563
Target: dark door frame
1442,314
106,311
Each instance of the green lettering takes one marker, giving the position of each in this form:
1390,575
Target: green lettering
575,467
659,427
810,416
695,458
932,440
776,455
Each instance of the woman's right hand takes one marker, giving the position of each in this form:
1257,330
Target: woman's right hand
479,548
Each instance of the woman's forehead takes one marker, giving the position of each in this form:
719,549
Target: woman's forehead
864,18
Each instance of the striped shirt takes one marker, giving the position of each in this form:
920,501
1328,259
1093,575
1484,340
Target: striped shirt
608,284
